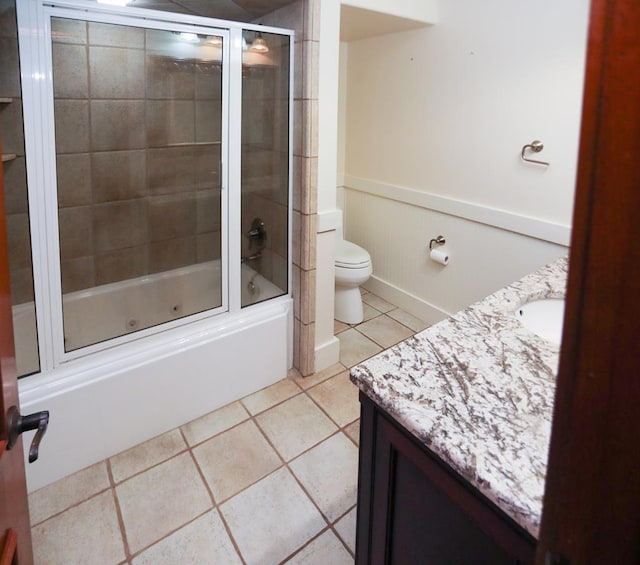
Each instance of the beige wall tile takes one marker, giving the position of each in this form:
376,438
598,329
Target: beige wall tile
209,83
118,175
9,68
77,274
171,216
117,124
206,166
11,127
65,30
74,179
116,35
21,285
72,126
208,246
76,232
208,210
19,242
117,225
121,264
307,348
165,81
15,186
171,254
307,296
126,82
70,74
170,122
170,170
208,121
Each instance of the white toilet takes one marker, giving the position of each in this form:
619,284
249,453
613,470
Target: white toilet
353,268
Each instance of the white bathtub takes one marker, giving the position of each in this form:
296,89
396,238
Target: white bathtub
106,402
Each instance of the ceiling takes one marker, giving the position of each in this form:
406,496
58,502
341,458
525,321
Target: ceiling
235,10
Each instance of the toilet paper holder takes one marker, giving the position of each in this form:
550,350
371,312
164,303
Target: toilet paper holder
438,240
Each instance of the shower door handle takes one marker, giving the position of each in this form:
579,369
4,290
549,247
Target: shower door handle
16,424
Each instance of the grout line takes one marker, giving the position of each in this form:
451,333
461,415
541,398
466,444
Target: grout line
123,530
213,498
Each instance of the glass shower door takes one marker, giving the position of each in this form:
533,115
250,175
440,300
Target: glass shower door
139,143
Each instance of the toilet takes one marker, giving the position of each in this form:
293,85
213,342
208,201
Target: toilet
353,268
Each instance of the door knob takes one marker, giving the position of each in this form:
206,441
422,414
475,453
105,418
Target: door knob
16,424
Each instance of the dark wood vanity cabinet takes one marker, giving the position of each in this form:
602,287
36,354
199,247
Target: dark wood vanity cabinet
414,509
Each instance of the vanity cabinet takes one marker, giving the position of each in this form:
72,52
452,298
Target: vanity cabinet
414,509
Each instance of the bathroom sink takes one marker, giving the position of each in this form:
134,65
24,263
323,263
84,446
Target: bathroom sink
544,317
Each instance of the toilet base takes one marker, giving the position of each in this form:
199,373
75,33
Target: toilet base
348,305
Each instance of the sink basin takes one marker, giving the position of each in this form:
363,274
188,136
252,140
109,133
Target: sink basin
544,318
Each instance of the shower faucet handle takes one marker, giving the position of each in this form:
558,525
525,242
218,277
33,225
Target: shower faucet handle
17,424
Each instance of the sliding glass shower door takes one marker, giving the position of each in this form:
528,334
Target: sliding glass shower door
139,147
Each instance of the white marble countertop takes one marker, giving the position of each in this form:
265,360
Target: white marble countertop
478,390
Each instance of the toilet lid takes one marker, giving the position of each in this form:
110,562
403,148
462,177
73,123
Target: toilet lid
351,256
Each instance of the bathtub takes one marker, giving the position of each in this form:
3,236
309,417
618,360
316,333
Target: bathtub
124,395
135,304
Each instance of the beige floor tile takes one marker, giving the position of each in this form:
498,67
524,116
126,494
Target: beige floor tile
338,397
346,528
270,396
354,347
215,422
377,302
307,382
416,324
339,326
353,431
235,459
323,550
147,454
66,492
160,500
329,473
272,519
204,540
88,533
385,331
369,313
295,425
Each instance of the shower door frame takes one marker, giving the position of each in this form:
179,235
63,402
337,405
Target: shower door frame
36,68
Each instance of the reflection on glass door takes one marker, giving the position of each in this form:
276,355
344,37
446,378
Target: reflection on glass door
138,133
265,166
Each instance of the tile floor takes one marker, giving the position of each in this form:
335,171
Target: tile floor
268,479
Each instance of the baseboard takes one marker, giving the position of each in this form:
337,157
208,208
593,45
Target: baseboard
327,354
406,301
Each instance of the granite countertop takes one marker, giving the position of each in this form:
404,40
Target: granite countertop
477,389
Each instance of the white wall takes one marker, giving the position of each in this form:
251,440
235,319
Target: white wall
444,111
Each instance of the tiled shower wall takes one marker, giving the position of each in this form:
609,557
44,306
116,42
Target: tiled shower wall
15,180
303,17
143,198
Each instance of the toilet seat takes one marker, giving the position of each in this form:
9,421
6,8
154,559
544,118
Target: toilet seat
351,256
